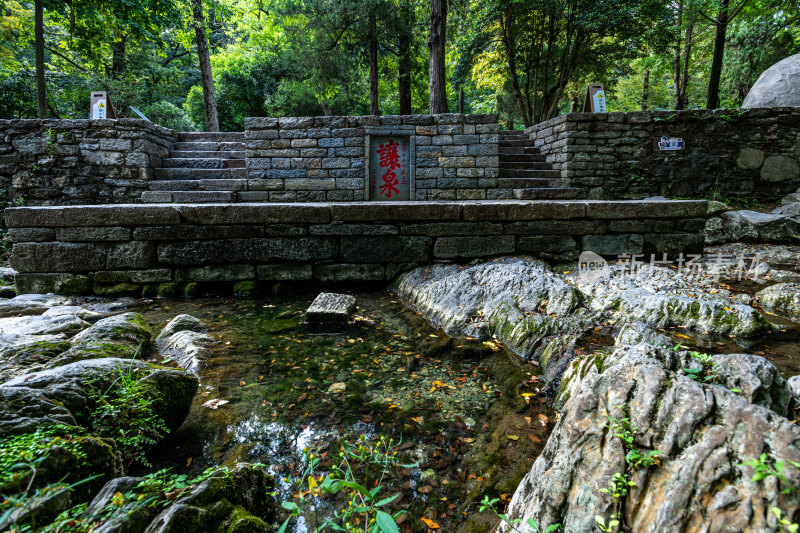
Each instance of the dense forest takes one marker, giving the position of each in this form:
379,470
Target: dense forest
208,64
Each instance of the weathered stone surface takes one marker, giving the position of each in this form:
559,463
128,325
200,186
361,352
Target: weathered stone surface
752,226
517,299
471,247
218,273
782,299
184,341
331,307
247,250
349,272
778,168
613,245
81,257
284,272
30,304
101,215
155,275
704,432
390,211
78,234
122,336
777,86
67,284
750,158
661,297
385,248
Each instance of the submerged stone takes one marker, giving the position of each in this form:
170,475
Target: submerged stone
330,312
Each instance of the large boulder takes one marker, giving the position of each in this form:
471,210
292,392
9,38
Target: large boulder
663,298
752,226
778,86
782,299
517,300
704,431
184,341
124,336
30,304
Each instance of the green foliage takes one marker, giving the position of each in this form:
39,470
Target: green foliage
764,469
488,504
126,412
169,115
708,371
354,471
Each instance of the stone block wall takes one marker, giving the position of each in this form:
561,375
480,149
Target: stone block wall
123,248
747,153
63,162
317,159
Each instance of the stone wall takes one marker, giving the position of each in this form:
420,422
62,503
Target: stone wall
747,153
62,162
121,248
320,159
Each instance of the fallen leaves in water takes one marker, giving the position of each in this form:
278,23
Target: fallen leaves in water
534,438
430,523
543,420
512,437
215,403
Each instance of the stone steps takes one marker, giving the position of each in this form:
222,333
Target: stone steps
528,173
206,162
554,193
219,136
531,183
513,141
184,197
530,165
209,146
196,154
200,173
199,185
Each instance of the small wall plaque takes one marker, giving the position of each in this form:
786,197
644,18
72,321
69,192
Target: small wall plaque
101,106
670,143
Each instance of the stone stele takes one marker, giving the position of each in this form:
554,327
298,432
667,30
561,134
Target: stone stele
778,86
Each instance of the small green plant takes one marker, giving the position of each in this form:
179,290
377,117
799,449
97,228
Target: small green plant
708,371
52,142
763,469
491,505
666,118
354,470
637,178
126,412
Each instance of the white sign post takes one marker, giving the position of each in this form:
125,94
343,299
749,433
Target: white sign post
595,101
101,106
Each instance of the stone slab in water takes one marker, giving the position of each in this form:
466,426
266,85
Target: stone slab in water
330,312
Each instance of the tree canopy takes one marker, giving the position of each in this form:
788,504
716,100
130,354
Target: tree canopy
524,59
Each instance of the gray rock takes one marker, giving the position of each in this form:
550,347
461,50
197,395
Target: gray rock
183,340
662,298
777,86
791,210
29,354
704,432
715,231
779,168
752,226
782,299
30,304
517,300
794,384
638,332
750,158
67,324
331,307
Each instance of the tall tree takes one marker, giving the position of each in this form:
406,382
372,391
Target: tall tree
207,80
437,39
725,14
404,37
41,87
373,63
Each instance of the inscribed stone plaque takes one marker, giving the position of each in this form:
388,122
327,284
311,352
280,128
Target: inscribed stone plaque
389,177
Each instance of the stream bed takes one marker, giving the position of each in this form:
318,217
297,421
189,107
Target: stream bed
467,414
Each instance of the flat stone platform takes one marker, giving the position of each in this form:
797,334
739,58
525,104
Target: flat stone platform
116,249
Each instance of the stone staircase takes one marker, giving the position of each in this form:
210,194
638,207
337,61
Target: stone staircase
202,167
525,171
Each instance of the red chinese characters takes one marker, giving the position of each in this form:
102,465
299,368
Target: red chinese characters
390,160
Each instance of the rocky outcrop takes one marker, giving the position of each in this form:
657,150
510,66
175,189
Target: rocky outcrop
704,431
753,226
777,86
660,297
184,341
517,300
782,299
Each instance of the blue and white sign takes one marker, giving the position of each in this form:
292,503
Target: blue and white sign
670,143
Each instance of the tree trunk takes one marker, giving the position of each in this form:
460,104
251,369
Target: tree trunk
436,49
404,61
373,66
676,63
687,54
326,109
712,102
118,63
41,87
645,90
212,123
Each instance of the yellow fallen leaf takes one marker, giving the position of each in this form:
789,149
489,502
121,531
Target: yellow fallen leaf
469,440
430,523
528,420
512,437
543,420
